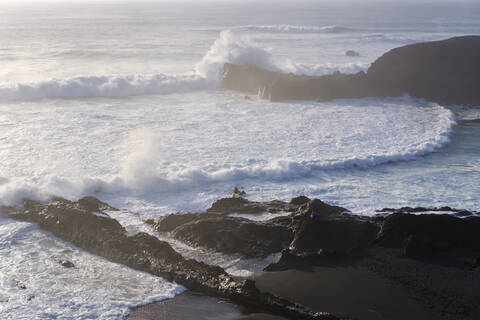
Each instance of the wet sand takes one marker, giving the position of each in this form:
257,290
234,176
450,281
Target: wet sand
346,291
188,306
343,291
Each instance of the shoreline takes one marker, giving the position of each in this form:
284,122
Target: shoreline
334,265
353,292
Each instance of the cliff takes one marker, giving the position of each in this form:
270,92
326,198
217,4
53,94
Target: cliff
445,71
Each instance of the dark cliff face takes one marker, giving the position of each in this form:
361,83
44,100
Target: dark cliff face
276,86
444,71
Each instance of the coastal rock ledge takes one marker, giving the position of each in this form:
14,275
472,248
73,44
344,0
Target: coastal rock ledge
446,71
434,257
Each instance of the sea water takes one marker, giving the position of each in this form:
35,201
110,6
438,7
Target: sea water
122,100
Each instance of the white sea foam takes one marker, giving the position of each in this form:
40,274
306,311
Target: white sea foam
285,28
288,65
466,113
35,286
233,48
189,145
104,86
166,158
234,264
241,49
229,47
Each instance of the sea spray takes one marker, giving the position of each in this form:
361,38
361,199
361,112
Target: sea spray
206,74
154,161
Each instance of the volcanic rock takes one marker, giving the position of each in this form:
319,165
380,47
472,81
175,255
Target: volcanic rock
227,234
445,71
101,235
351,53
66,263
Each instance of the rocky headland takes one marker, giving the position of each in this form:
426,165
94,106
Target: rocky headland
428,257
445,71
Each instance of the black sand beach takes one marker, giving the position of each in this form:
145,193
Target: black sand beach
348,291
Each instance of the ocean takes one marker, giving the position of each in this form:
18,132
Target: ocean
123,101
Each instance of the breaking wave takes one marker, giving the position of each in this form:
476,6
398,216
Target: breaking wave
285,28
104,86
140,174
229,47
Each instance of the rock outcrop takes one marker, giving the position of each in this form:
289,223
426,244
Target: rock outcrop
276,86
426,234
85,225
445,71
426,253
318,226
227,234
352,53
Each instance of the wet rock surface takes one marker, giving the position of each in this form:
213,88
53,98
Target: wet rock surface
427,69
276,86
78,223
237,204
434,256
66,264
422,70
352,53
226,234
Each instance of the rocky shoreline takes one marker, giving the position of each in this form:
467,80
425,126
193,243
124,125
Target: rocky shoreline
445,72
433,257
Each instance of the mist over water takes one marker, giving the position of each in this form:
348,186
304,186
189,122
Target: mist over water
123,101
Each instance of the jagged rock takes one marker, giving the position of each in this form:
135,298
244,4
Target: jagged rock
276,86
21,285
227,234
94,205
457,212
291,259
235,205
104,236
320,209
422,70
319,226
351,53
299,200
237,192
66,263
426,234
427,69
168,223
241,205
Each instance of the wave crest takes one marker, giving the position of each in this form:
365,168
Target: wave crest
104,86
141,174
285,28
229,47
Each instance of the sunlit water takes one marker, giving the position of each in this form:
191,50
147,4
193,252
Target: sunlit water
123,101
